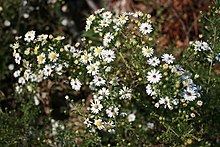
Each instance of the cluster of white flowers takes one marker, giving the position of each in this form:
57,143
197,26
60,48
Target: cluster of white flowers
201,46
175,86
99,61
168,85
44,57
113,65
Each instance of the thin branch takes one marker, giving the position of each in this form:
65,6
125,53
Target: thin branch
92,5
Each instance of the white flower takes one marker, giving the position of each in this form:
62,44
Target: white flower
41,58
146,28
154,76
147,51
150,125
112,112
87,122
18,89
21,80
36,101
29,36
199,103
76,84
168,58
17,58
190,94
107,39
131,117
58,69
53,56
93,68
99,124
33,77
27,51
105,22
98,81
98,51
106,15
154,61
96,106
42,37
86,57
104,92
125,93
149,90
15,46
108,55
89,21
201,46
156,105
17,73
192,115
47,70
120,20
27,74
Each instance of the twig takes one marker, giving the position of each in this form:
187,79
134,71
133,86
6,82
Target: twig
92,5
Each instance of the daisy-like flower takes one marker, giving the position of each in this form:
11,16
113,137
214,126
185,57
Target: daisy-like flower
201,46
108,55
190,94
96,106
17,73
112,112
154,61
218,57
131,117
146,28
104,92
125,93
150,91
99,124
86,57
41,58
27,74
98,81
75,84
15,45
93,68
107,15
107,39
53,56
47,70
29,36
98,51
154,76
168,58
42,37
17,58
147,51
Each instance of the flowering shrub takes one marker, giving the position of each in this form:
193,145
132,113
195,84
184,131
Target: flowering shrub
123,58
133,90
